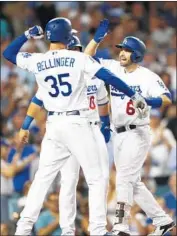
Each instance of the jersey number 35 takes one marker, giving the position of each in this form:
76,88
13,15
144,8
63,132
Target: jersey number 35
58,85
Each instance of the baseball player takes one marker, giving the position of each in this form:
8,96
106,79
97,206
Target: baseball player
98,100
132,138
59,77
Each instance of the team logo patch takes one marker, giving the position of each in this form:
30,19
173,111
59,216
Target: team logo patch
161,84
26,55
91,89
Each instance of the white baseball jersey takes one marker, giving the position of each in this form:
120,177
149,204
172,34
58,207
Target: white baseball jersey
59,74
143,81
97,95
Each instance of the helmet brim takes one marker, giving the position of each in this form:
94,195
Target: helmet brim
119,45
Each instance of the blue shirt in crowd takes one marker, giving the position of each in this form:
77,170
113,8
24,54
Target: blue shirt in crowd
46,218
20,179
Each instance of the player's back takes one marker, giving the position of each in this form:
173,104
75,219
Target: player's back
60,77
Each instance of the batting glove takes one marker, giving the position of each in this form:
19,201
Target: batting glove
101,31
35,32
140,105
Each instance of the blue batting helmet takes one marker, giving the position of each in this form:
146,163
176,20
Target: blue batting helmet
135,45
75,42
59,30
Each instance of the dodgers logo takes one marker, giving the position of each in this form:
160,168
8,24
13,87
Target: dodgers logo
48,34
91,89
161,84
26,55
116,93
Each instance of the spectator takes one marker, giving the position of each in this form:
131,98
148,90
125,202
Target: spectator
133,29
171,119
151,62
48,221
8,172
162,143
6,182
166,77
7,229
84,223
162,34
171,69
139,13
170,197
21,201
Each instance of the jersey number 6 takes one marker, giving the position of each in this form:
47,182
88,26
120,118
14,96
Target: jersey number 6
92,103
130,110
58,84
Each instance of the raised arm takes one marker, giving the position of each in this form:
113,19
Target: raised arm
10,53
100,34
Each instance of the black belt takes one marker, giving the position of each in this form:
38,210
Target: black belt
125,128
67,113
94,123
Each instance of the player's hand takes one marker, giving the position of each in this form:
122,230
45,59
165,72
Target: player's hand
101,31
140,105
143,113
23,136
106,131
35,32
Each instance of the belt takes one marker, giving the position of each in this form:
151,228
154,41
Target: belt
125,128
94,123
67,113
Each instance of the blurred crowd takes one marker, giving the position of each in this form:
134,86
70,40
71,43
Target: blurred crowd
154,23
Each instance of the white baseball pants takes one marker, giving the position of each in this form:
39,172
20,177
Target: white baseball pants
66,136
69,180
130,151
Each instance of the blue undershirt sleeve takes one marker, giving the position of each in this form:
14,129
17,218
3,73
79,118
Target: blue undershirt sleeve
110,78
10,53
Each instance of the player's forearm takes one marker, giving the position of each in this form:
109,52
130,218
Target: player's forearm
33,110
23,164
110,78
91,48
8,172
166,101
103,109
10,53
48,229
34,107
161,101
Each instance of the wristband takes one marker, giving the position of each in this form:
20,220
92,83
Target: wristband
154,102
27,122
37,101
105,120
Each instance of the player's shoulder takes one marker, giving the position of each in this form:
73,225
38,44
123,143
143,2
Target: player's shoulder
28,55
148,73
109,62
